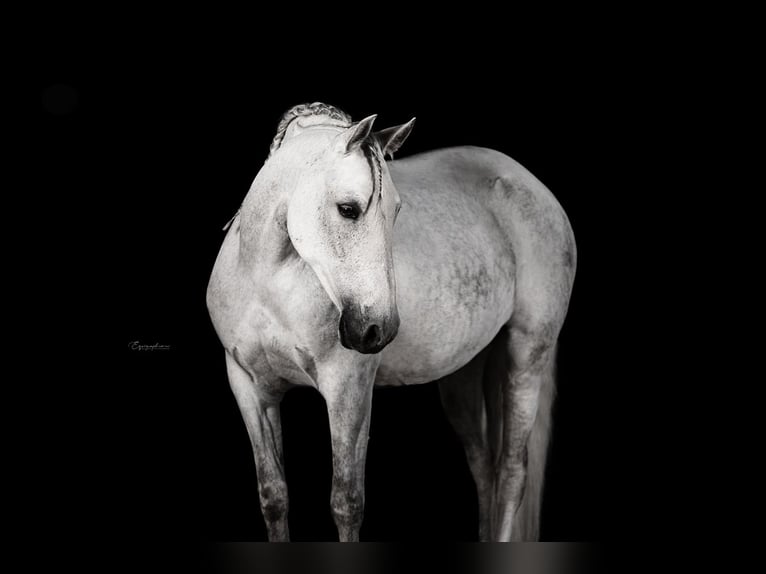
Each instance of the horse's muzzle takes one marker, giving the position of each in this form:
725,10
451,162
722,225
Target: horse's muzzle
366,335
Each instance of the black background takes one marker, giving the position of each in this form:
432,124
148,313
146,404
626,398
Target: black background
158,151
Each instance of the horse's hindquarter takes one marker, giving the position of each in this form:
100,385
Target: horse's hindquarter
478,240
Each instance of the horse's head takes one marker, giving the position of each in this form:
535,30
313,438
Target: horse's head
340,219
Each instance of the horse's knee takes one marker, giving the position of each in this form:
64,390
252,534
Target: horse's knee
274,500
347,504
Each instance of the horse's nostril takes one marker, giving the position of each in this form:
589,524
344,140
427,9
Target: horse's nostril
371,336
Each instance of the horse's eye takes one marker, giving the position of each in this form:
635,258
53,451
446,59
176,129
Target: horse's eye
349,211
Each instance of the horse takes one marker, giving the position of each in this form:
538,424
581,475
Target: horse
315,285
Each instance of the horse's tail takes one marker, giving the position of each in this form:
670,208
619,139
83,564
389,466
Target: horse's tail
526,524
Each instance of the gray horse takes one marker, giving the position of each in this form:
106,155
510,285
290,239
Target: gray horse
315,285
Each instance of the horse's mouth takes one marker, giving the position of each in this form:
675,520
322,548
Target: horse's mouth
373,340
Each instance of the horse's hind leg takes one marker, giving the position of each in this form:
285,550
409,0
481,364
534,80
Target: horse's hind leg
527,392
463,401
260,411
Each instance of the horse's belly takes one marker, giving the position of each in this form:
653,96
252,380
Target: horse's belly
448,314
435,350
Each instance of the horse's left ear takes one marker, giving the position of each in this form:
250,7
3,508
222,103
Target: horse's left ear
357,133
391,139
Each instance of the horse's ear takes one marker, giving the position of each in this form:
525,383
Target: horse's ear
359,132
391,139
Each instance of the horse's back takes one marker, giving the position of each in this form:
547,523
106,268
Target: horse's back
536,228
480,243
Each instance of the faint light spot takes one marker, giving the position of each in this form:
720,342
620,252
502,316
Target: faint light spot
59,99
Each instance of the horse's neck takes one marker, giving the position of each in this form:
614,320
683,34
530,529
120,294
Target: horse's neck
263,228
263,219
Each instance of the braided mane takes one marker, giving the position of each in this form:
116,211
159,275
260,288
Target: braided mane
370,147
304,111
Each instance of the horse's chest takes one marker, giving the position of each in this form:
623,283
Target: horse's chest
285,336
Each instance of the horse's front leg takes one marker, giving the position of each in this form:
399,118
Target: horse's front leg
348,393
259,406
